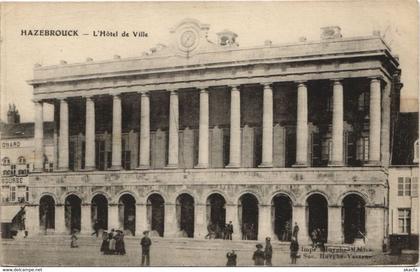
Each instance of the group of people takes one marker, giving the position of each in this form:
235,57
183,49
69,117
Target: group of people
215,231
264,256
249,231
319,238
113,243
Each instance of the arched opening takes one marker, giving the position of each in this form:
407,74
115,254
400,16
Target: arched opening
99,212
47,213
72,210
317,217
282,214
248,216
354,218
127,214
185,215
216,215
156,214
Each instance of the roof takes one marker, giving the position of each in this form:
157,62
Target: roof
24,130
406,133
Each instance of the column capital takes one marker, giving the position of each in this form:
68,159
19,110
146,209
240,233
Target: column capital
173,91
115,94
301,83
89,96
63,99
144,93
337,81
37,101
234,87
268,85
204,90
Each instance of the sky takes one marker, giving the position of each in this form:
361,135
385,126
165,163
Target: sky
280,22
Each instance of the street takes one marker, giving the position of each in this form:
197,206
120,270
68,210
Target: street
181,252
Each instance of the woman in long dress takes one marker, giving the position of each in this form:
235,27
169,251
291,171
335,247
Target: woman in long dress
111,242
105,243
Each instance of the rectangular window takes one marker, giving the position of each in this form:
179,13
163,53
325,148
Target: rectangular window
400,186
12,193
13,170
126,160
27,194
414,187
404,220
407,186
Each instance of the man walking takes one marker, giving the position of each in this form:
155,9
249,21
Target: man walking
229,230
145,248
295,231
268,252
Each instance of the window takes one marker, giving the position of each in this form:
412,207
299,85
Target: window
12,193
326,150
27,194
363,102
414,187
13,170
5,161
21,160
416,151
404,186
404,220
363,149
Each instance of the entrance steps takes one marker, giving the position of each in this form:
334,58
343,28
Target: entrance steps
176,243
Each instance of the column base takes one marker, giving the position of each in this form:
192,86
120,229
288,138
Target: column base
202,166
143,167
115,168
372,163
171,166
232,165
89,169
265,165
335,164
300,165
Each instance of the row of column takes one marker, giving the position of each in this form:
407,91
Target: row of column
374,221
235,129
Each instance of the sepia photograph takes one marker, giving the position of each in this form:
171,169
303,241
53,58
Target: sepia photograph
209,134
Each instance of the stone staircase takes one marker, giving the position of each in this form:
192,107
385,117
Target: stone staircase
132,242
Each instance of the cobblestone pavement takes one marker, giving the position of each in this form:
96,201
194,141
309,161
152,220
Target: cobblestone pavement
57,252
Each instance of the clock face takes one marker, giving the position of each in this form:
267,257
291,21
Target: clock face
188,39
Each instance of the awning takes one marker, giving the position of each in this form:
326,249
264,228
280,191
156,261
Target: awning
7,213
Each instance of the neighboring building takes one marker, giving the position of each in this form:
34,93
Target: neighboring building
17,160
196,133
403,182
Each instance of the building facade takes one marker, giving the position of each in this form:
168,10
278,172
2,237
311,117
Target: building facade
198,133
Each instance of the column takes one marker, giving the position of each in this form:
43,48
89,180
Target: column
200,224
116,133
60,226
267,131
235,128
337,125
203,142
334,225
232,215
299,216
264,222
63,141
113,220
173,130
375,122
171,222
32,219
90,134
302,126
39,137
144,160
86,222
141,219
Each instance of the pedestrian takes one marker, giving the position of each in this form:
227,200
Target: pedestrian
229,230
286,231
258,256
145,248
122,244
118,244
74,238
96,228
294,248
112,241
105,243
231,257
295,231
314,238
268,252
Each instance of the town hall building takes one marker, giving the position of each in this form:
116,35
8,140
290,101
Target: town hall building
197,133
